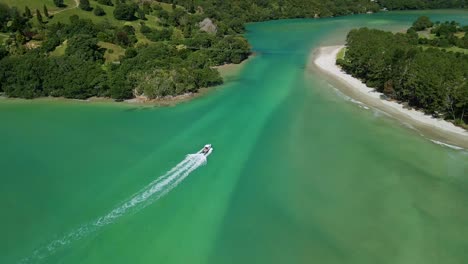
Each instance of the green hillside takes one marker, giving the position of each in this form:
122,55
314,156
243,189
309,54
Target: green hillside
39,4
119,48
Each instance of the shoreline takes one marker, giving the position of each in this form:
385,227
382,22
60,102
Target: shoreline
227,72
438,131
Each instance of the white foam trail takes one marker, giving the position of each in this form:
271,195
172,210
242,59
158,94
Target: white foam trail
151,193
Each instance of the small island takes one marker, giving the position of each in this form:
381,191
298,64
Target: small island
418,76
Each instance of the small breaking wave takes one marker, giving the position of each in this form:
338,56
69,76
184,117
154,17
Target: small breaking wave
446,145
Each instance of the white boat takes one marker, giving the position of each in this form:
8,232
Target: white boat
206,150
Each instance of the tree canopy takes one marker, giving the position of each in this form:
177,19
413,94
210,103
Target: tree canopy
163,51
403,69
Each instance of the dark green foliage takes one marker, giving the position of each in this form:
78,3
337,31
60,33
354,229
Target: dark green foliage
421,4
18,23
50,43
22,75
39,16
46,11
445,29
98,11
34,75
422,23
395,65
84,5
4,15
157,35
445,36
124,11
179,57
252,11
147,9
141,14
130,53
125,36
105,2
59,3
73,77
231,49
84,47
27,12
3,52
160,70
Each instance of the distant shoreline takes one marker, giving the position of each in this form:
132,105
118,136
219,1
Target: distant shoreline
324,59
227,71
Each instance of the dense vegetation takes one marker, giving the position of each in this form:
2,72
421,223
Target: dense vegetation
169,55
422,4
123,48
414,68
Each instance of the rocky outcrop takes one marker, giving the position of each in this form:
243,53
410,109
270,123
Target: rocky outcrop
208,26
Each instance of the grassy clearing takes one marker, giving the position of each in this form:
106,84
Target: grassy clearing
60,50
426,34
113,52
64,17
341,54
451,49
166,6
457,49
37,4
460,34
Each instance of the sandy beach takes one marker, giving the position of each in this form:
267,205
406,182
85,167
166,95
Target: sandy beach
438,130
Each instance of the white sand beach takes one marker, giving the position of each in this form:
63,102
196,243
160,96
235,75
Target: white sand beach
325,60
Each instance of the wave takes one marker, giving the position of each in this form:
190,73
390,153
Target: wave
146,196
446,145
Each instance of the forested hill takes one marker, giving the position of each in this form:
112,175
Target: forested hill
124,48
421,4
427,67
260,10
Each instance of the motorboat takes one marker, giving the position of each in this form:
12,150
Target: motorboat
206,150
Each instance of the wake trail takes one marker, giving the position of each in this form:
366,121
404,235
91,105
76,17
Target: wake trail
146,196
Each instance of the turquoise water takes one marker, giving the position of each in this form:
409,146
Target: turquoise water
299,174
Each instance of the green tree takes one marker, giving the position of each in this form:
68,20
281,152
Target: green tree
125,11
59,3
39,17
422,23
98,11
131,53
5,15
27,12
141,14
46,11
192,7
105,2
84,5
3,52
85,47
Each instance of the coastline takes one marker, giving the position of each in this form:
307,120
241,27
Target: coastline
230,70
227,72
437,130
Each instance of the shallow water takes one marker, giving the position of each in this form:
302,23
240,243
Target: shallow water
299,174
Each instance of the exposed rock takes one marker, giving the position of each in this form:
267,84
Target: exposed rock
208,26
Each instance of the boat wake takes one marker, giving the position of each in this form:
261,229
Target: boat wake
146,196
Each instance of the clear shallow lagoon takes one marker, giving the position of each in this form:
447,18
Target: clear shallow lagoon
299,174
